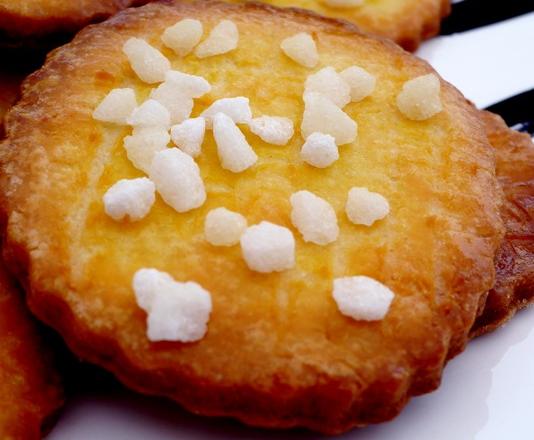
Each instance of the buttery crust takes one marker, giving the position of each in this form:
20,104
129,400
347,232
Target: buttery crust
277,353
514,263
407,22
30,390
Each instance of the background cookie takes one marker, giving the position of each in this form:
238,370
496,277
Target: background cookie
30,391
9,93
407,22
35,18
29,28
277,352
514,286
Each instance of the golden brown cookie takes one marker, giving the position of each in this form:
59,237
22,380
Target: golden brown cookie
278,352
514,263
30,390
407,22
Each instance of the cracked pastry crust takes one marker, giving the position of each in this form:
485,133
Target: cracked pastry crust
514,263
407,22
277,353
30,390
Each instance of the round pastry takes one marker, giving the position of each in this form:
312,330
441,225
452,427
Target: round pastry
514,263
292,228
30,388
407,22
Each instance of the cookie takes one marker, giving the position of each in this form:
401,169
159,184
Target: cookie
41,24
30,388
514,263
284,237
9,93
407,22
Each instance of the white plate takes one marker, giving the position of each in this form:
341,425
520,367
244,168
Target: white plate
487,392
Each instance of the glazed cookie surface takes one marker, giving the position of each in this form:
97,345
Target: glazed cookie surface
359,228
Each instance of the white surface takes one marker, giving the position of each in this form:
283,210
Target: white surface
487,64
487,392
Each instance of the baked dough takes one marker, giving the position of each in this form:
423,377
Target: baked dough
30,390
278,353
514,263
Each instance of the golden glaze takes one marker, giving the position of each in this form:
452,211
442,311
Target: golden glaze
30,391
278,353
514,263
